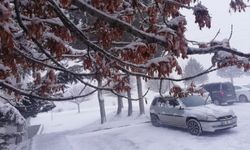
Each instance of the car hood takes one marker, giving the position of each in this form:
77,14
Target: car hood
210,109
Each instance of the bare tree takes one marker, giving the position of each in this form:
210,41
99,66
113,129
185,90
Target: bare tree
230,72
79,89
154,85
192,68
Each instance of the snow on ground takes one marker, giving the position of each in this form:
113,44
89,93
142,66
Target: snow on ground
133,133
65,116
67,120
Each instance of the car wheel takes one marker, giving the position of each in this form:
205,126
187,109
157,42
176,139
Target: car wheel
194,127
216,102
243,98
155,120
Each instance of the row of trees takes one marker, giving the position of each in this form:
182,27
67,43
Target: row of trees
193,67
118,39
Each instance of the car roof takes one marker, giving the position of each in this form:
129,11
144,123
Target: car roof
241,86
217,83
171,97
165,97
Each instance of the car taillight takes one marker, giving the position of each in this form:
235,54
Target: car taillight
221,93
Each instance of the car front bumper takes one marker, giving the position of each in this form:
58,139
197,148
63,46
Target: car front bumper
212,126
227,101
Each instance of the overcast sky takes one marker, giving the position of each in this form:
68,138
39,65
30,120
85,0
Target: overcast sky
221,19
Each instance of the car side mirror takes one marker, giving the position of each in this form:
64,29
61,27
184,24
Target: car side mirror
181,108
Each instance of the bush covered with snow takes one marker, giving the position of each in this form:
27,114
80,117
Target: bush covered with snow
12,126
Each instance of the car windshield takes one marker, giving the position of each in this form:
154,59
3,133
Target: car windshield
192,101
247,86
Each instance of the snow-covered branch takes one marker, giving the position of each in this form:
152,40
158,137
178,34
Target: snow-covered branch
35,60
33,95
113,21
150,38
214,49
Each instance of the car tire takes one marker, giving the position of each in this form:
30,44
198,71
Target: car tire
155,120
216,102
243,98
194,127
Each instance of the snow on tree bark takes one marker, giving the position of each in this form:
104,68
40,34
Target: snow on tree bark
120,105
130,106
101,102
140,96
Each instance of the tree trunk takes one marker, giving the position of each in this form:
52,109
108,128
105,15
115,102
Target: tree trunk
120,105
232,80
130,106
101,102
139,90
78,107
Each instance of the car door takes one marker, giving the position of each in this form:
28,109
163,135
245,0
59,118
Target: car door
161,109
215,91
173,115
229,91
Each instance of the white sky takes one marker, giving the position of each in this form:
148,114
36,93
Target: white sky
221,19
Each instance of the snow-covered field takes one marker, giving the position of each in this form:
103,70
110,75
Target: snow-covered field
68,130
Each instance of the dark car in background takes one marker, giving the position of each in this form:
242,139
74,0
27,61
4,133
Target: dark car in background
221,93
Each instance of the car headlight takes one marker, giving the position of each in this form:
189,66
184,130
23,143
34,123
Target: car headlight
211,118
232,113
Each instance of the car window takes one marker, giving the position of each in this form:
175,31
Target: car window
173,103
155,101
192,101
247,86
206,87
161,102
237,87
208,99
227,87
215,87
212,87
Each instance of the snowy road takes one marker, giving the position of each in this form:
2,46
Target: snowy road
135,134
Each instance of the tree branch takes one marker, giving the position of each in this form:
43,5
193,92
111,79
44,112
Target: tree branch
210,69
150,38
50,66
74,30
146,36
179,4
20,22
33,95
214,49
7,100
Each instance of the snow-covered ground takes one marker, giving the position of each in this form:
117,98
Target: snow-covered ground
84,131
65,117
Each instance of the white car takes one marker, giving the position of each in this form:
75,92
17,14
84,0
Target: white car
193,113
242,93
